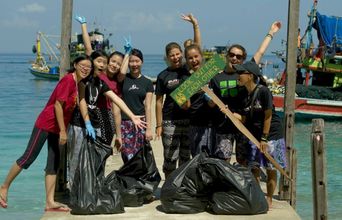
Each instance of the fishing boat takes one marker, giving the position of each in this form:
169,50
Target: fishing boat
40,68
319,73
50,70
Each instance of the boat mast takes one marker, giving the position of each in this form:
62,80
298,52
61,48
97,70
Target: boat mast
39,58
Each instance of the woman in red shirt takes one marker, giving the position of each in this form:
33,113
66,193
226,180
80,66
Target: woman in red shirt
51,125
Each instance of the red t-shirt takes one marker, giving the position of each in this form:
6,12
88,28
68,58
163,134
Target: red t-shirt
66,92
114,86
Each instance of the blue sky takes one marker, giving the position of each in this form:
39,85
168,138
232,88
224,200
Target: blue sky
154,23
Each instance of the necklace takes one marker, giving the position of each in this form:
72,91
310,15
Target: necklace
92,99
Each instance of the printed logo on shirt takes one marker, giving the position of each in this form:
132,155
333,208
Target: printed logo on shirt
133,87
228,88
172,83
257,105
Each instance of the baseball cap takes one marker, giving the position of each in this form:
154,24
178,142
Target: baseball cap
248,66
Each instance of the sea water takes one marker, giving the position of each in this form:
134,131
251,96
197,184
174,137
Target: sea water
22,97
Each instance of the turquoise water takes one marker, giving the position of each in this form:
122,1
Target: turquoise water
22,97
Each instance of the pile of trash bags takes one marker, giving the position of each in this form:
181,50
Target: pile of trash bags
131,185
212,185
201,184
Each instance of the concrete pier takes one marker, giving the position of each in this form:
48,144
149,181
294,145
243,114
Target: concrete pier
280,210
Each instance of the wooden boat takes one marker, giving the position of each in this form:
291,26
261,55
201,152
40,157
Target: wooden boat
307,108
323,70
40,68
50,73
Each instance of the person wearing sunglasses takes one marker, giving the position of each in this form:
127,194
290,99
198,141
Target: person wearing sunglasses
225,86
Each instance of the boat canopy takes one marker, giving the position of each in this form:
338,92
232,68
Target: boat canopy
329,29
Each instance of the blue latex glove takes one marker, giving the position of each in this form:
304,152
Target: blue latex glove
80,19
90,130
128,45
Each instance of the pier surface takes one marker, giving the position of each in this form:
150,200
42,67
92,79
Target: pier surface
280,209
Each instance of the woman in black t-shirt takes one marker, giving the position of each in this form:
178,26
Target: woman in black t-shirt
137,91
172,122
262,121
201,130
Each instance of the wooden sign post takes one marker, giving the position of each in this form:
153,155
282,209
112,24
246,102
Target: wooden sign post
197,81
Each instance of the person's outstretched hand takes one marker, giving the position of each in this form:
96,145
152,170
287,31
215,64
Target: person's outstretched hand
128,44
138,122
275,27
189,18
90,130
80,19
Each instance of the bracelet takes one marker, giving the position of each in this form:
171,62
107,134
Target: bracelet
264,140
269,35
264,137
158,126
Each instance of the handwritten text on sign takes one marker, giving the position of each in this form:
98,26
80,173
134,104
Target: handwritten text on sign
198,79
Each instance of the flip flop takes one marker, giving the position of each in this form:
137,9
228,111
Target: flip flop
3,202
57,209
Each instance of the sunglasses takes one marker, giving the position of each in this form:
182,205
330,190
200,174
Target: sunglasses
238,56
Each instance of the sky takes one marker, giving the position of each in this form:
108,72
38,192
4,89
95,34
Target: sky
154,23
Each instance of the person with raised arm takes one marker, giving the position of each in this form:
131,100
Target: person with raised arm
197,34
172,122
225,86
137,91
95,95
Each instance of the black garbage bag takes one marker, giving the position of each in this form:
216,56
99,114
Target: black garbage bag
184,190
137,179
89,194
235,190
210,184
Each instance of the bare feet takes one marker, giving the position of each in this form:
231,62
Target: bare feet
3,197
56,207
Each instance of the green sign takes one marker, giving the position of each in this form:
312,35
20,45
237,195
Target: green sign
198,79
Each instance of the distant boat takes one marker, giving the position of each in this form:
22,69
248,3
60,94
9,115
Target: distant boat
39,67
50,70
323,66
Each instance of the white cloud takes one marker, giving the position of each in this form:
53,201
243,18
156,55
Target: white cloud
18,22
32,8
138,21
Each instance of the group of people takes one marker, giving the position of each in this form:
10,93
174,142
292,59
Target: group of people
108,96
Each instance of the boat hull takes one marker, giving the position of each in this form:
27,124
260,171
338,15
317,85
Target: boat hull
306,108
44,75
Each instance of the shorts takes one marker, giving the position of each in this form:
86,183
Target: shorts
276,149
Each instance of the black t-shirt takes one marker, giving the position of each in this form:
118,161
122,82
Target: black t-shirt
255,121
225,86
167,81
94,89
134,92
200,113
